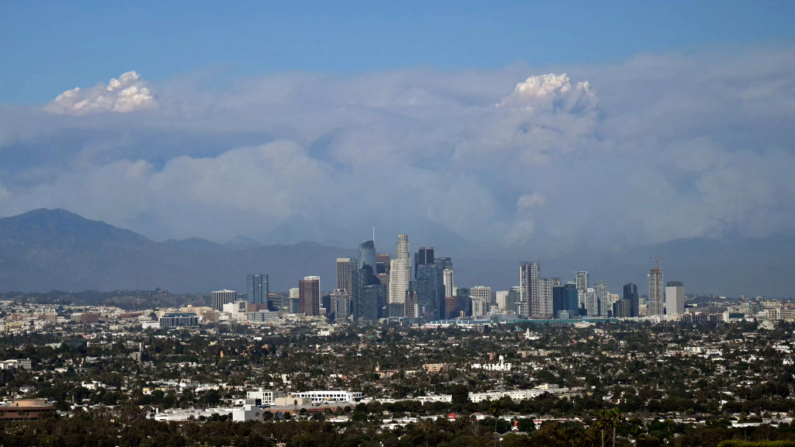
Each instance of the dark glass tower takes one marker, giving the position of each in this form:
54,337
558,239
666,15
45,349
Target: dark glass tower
257,289
631,294
367,255
422,257
565,298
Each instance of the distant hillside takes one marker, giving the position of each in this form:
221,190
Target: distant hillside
44,250
54,249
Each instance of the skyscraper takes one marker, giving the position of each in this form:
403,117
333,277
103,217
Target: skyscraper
367,255
655,302
443,262
524,289
565,298
383,261
221,297
481,300
581,280
602,298
591,302
344,274
400,271
430,288
674,298
422,257
502,300
448,282
257,289
309,295
514,298
535,291
631,294
340,304
545,304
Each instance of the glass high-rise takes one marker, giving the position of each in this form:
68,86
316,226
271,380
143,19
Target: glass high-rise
631,294
367,255
257,289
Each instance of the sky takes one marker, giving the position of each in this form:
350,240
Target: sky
544,126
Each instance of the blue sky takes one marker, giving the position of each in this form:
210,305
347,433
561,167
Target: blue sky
48,47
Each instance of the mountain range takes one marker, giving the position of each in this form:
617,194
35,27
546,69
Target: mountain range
45,250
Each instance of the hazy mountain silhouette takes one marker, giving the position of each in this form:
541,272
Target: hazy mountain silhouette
54,249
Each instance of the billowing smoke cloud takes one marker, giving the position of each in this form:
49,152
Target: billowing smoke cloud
551,92
126,94
652,149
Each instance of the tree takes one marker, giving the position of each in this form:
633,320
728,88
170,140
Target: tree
460,394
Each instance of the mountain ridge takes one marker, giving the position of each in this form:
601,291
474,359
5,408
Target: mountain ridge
43,250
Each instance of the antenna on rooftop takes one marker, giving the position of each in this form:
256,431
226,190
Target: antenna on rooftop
373,235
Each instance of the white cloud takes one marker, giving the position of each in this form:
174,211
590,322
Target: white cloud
671,146
126,94
551,92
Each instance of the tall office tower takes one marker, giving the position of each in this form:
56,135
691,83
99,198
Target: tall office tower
344,273
372,302
565,298
655,301
514,296
367,255
523,309
674,298
383,278
502,300
481,300
340,304
524,282
581,280
400,271
422,257
410,308
535,291
591,302
448,282
631,294
221,297
257,289
443,262
383,262
293,301
430,288
309,295
602,297
545,305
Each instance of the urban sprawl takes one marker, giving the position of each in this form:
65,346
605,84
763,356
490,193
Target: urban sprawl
396,354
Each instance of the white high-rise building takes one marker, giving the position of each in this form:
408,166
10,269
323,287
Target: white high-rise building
674,298
220,297
591,302
656,301
602,297
535,291
448,282
545,286
481,300
502,300
400,271
581,280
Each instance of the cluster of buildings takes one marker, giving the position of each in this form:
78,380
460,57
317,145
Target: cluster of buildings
375,286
